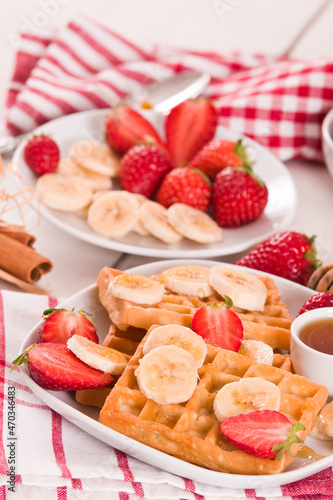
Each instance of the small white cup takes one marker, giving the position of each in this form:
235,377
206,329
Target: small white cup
314,365
327,141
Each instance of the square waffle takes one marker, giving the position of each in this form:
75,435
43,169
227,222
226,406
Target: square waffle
272,325
190,431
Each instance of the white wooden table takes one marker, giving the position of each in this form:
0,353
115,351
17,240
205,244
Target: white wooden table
301,28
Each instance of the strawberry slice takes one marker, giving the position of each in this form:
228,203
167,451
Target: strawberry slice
188,127
125,127
55,367
61,324
219,326
265,433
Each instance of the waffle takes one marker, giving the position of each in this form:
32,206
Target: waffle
127,342
272,325
190,431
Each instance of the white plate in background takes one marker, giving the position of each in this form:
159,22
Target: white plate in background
89,125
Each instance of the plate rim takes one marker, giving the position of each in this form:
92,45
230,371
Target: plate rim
202,251
192,471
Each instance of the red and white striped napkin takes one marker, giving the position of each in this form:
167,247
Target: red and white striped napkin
45,456
278,102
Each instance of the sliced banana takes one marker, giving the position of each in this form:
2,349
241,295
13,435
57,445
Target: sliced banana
139,227
188,280
136,288
96,182
323,427
246,290
177,335
61,193
98,356
193,223
153,217
167,375
96,157
258,351
247,395
113,214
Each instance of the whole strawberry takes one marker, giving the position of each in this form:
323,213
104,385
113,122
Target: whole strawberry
239,196
41,154
188,127
288,254
218,154
125,127
324,299
185,185
142,169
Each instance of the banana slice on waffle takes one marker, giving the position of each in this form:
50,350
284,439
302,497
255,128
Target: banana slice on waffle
188,280
137,289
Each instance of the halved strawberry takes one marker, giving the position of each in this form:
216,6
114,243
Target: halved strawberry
188,127
265,433
219,326
61,324
125,127
55,367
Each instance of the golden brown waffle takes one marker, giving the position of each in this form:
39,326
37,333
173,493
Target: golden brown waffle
190,431
271,326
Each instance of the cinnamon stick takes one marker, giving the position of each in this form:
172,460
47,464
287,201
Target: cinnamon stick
21,260
17,232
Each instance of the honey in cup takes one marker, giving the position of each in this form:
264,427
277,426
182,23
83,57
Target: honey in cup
318,335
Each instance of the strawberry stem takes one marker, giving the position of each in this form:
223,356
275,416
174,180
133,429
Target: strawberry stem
312,255
292,438
240,150
22,358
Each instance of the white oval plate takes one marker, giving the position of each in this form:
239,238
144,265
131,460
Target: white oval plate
86,417
89,125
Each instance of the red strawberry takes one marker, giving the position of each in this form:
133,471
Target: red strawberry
188,127
185,185
219,326
125,127
55,367
142,168
265,433
218,154
324,299
288,254
61,324
41,154
239,197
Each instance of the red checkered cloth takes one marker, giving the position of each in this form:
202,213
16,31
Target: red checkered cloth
280,103
42,455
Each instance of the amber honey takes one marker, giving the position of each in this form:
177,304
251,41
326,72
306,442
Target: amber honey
319,335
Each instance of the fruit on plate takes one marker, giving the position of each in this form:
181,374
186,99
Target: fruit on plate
55,367
41,153
179,335
60,324
136,288
287,254
188,127
63,193
265,434
323,299
219,326
246,395
142,169
154,218
97,356
257,350
95,157
193,224
218,154
238,197
125,127
97,182
188,280
113,214
185,185
245,290
167,375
